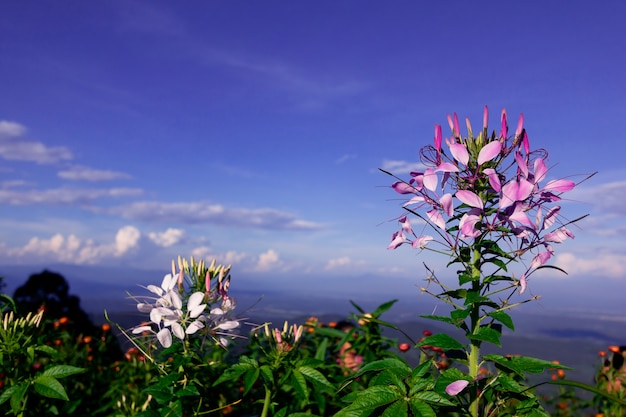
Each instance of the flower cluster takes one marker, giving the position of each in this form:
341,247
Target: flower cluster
187,303
488,187
284,340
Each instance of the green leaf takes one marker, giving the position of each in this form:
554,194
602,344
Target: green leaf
320,353
421,409
464,278
175,410
438,318
432,397
396,409
486,334
49,350
6,394
50,387
249,379
387,363
456,294
316,376
234,372
442,341
61,371
355,305
382,308
189,391
522,364
17,397
375,397
299,384
503,318
267,374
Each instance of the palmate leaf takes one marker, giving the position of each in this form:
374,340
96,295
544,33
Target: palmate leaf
61,371
486,334
442,341
316,376
397,409
421,409
17,396
503,318
374,397
50,387
522,364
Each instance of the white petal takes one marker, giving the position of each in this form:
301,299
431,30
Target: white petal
165,338
144,307
177,302
155,316
217,311
178,331
228,325
141,329
195,300
194,327
196,311
154,289
169,281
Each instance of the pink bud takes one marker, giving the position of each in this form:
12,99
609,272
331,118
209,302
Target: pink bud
207,282
438,137
505,128
485,117
520,125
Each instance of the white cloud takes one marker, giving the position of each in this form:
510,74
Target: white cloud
401,167
338,263
204,212
268,261
73,250
598,264
63,196
168,238
14,147
228,258
345,158
82,173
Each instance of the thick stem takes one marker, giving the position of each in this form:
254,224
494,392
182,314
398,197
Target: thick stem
266,402
474,354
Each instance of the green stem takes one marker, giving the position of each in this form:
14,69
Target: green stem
474,354
266,402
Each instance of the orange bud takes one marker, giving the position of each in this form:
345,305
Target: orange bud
614,349
561,373
403,347
63,320
602,354
87,339
106,327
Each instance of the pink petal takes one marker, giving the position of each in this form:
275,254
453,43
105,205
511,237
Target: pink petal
521,163
559,186
558,236
526,143
430,179
550,217
519,216
467,225
459,152
414,200
540,170
540,259
397,239
456,387
405,223
515,191
421,242
402,187
435,216
469,198
494,179
446,167
522,284
446,203
489,151
457,129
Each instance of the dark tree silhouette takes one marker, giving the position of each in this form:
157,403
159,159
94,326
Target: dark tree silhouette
50,291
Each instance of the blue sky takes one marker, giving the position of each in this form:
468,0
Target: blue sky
132,132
